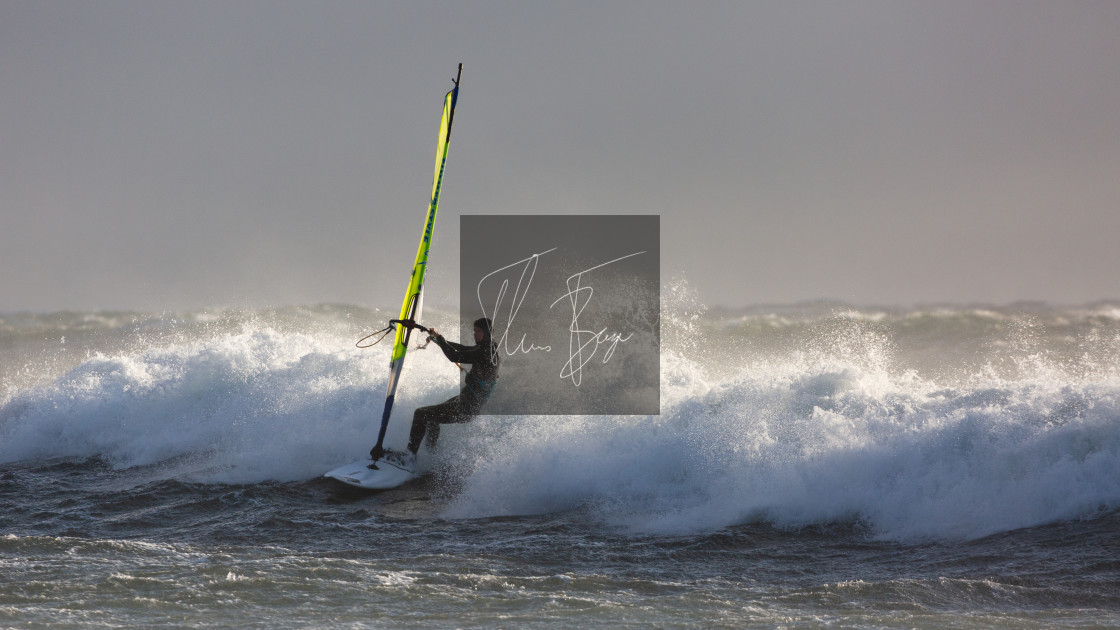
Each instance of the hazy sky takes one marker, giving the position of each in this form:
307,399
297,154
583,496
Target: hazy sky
165,155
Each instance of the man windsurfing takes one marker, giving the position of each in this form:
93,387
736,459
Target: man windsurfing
484,360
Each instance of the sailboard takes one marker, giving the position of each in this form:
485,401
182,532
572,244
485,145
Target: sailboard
389,472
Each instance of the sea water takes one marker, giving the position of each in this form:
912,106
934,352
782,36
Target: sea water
813,465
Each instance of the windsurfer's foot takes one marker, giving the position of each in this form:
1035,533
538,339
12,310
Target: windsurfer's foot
404,459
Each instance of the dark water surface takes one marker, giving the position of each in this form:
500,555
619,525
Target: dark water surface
83,546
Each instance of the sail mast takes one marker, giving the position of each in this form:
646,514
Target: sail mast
412,307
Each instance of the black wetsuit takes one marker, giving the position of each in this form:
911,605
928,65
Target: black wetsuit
480,383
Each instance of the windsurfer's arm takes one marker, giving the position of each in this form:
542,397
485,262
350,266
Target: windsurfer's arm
455,352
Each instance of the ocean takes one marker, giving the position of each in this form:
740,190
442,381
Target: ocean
813,465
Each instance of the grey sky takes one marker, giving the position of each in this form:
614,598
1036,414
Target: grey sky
164,155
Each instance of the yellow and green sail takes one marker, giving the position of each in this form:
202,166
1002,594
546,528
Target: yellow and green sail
414,297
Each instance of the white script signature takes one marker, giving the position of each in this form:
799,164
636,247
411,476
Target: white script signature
583,344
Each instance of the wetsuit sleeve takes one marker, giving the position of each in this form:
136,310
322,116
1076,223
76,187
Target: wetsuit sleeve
460,353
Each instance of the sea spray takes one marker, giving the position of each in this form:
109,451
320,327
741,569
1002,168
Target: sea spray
252,402
939,422
837,428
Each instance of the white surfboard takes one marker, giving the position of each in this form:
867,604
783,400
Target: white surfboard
384,476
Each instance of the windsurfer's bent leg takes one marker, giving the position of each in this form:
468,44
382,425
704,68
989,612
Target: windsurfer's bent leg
426,420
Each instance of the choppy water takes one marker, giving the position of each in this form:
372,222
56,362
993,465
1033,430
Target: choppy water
816,464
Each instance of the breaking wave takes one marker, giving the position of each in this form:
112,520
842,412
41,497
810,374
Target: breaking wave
935,423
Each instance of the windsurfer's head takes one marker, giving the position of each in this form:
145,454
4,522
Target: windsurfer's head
482,327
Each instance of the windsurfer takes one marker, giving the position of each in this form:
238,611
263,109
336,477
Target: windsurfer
483,358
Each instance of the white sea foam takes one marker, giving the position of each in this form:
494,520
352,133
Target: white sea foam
240,407
826,436
832,426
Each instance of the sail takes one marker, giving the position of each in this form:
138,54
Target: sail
413,304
